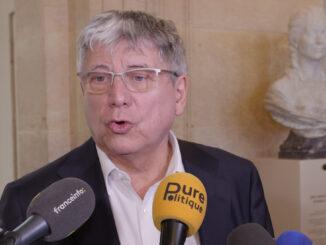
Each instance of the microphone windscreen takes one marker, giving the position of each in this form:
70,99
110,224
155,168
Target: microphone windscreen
65,205
180,196
293,238
250,234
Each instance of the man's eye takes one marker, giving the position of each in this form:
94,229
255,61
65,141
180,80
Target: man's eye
139,78
98,78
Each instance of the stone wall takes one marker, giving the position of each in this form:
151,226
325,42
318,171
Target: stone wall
7,149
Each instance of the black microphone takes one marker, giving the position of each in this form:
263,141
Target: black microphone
54,213
250,234
2,231
293,238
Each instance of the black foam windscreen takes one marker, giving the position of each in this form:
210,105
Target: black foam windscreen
250,234
1,231
65,205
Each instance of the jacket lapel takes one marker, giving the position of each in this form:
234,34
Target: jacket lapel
205,166
100,228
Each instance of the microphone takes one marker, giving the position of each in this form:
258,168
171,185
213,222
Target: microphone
179,207
250,234
54,213
293,238
1,232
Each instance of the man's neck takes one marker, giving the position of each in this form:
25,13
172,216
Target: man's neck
145,169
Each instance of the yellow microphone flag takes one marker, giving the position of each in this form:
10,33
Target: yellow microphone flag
180,196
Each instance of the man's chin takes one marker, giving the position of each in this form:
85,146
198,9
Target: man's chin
120,148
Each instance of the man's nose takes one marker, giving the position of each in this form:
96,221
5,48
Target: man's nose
118,93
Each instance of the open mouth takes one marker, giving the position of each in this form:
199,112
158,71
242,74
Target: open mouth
120,122
120,127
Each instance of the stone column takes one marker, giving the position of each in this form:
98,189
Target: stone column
43,77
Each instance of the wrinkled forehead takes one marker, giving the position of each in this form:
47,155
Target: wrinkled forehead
142,47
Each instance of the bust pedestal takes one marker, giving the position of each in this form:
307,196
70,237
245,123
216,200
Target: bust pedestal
295,191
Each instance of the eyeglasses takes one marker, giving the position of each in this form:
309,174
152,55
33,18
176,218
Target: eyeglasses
136,80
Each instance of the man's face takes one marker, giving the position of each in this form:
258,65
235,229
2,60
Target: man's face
125,123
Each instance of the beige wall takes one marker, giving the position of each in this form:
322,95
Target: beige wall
235,50
7,161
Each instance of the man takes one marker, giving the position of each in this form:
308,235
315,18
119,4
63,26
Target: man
133,76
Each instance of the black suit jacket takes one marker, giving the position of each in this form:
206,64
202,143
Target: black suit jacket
235,194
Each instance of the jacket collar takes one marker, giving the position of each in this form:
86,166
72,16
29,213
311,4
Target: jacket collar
100,228
83,163
199,161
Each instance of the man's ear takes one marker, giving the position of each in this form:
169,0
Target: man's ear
181,90
82,88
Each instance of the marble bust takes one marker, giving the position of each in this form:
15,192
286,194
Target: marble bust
298,100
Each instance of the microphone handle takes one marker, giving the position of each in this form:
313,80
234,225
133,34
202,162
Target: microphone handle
173,232
7,241
2,232
33,228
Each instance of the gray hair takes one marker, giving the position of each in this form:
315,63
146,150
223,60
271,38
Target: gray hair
110,27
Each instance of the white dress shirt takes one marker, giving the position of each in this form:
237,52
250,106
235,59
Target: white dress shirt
132,215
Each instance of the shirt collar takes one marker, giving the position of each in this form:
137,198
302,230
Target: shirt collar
175,164
106,164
